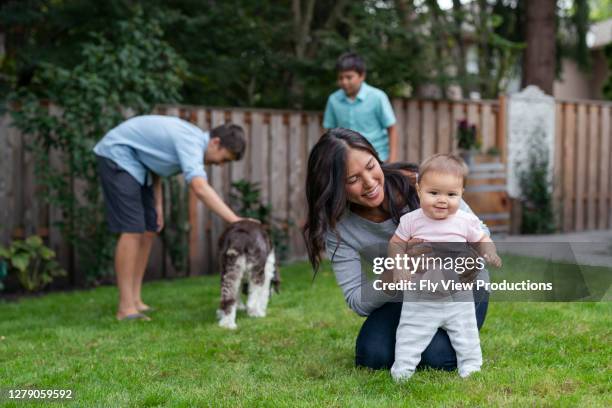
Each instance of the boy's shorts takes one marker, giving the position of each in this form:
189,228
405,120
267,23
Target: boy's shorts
130,207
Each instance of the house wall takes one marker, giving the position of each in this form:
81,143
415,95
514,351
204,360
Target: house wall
577,84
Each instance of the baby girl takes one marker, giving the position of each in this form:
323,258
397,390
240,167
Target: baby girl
440,187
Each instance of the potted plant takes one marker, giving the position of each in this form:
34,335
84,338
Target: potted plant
467,141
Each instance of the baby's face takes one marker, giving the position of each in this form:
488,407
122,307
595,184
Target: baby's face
440,194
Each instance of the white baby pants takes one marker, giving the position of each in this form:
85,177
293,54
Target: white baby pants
418,324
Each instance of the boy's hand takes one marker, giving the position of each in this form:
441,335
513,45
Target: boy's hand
249,219
159,209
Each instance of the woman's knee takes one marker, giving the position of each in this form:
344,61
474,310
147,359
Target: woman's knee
375,345
374,356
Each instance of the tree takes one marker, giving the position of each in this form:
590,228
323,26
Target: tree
540,33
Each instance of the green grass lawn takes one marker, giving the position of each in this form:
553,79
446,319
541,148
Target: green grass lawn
535,354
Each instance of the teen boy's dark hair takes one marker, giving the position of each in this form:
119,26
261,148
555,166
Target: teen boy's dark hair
350,62
231,137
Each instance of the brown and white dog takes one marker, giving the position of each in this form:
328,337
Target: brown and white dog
245,254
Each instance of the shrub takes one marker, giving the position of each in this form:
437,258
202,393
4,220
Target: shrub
33,263
536,195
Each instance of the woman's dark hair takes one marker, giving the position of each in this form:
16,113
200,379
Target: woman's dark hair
326,190
231,137
350,61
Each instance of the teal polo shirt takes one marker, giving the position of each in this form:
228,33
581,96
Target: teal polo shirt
370,114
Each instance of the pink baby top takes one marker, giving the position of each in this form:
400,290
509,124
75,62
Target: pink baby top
459,227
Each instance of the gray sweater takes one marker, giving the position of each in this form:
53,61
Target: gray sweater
361,239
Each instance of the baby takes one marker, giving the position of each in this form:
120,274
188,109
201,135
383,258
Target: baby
440,187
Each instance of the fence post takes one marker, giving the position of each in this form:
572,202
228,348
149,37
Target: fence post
530,128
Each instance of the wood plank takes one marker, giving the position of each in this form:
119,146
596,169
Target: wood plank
297,178
61,246
7,180
581,167
278,166
220,179
200,252
259,153
428,146
238,168
605,175
16,222
569,166
500,137
400,112
413,132
31,198
487,127
314,131
593,165
444,130
558,166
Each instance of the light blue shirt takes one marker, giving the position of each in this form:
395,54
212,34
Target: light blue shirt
369,114
165,145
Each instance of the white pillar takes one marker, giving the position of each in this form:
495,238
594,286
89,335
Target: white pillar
531,129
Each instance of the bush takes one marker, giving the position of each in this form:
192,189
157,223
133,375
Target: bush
536,196
33,263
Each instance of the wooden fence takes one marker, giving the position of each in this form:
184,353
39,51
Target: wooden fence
583,165
276,157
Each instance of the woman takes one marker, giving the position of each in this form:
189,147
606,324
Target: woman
354,205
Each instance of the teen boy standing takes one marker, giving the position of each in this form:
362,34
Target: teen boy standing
131,159
362,108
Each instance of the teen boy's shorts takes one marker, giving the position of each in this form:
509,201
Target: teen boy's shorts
130,207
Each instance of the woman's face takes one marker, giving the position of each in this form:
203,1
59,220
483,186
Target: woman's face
364,179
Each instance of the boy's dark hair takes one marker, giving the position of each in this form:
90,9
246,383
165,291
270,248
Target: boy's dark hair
231,137
351,61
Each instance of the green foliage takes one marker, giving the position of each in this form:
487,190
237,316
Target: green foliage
600,9
493,151
267,53
466,136
32,261
3,272
246,200
537,210
133,68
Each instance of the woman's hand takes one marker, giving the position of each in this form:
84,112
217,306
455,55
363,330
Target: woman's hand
411,248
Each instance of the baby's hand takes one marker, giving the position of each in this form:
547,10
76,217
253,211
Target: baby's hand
493,259
401,275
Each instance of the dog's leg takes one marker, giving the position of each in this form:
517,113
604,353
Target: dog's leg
259,289
230,291
244,290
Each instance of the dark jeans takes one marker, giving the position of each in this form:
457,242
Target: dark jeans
375,346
